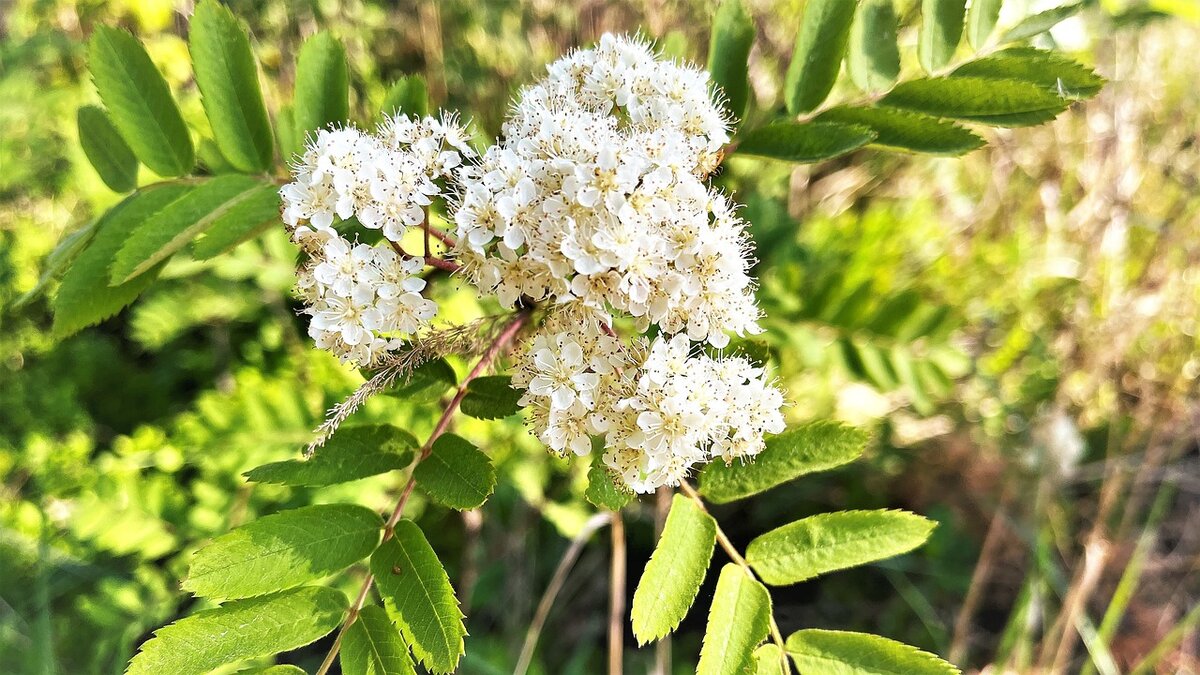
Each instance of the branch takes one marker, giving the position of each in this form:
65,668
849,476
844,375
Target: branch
616,597
510,331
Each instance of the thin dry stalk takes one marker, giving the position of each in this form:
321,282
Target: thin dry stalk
979,578
616,597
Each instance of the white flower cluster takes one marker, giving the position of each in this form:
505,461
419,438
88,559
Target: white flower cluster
361,298
597,195
661,409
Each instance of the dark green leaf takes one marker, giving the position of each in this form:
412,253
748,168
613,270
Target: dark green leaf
169,230
738,620
210,157
676,569
84,296
246,219
283,550
285,133
728,52
322,95
372,646
1054,72
1041,22
137,98
350,454
491,398
807,142
834,541
427,381
817,57
816,446
908,130
414,584
456,473
981,21
873,59
408,96
832,651
227,76
976,98
941,31
106,150
240,630
603,491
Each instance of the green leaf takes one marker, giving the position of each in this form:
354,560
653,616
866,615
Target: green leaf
414,584
240,630
227,75
1041,22
980,99
137,98
603,491
427,381
169,230
728,52
285,133
210,157
981,21
322,94
372,646
491,398
816,446
845,653
350,454
873,59
1054,72
807,142
738,620
908,130
106,150
56,263
283,550
407,96
84,296
676,569
285,669
834,541
817,57
456,473
941,31
768,660
248,218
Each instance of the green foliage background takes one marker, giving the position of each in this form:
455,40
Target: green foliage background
1011,327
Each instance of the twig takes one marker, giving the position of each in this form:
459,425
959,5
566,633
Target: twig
983,569
616,597
556,583
443,423
732,552
444,237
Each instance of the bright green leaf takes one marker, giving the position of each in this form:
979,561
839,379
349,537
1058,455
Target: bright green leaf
834,541
210,157
106,150
408,96
456,473
491,398
240,630
139,102
816,446
676,569
350,454
249,217
603,491
981,21
174,226
322,95
728,52
1050,70
373,646
738,620
283,550
84,296
908,130
941,31
817,57
227,75
807,142
284,669
873,56
1041,22
768,660
417,590
56,263
845,653
975,98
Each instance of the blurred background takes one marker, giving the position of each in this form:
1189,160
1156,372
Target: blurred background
1017,328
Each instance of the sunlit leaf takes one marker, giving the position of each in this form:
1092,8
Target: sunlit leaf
738,620
373,646
817,57
728,50
350,454
941,31
322,95
106,150
675,571
845,653
873,55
